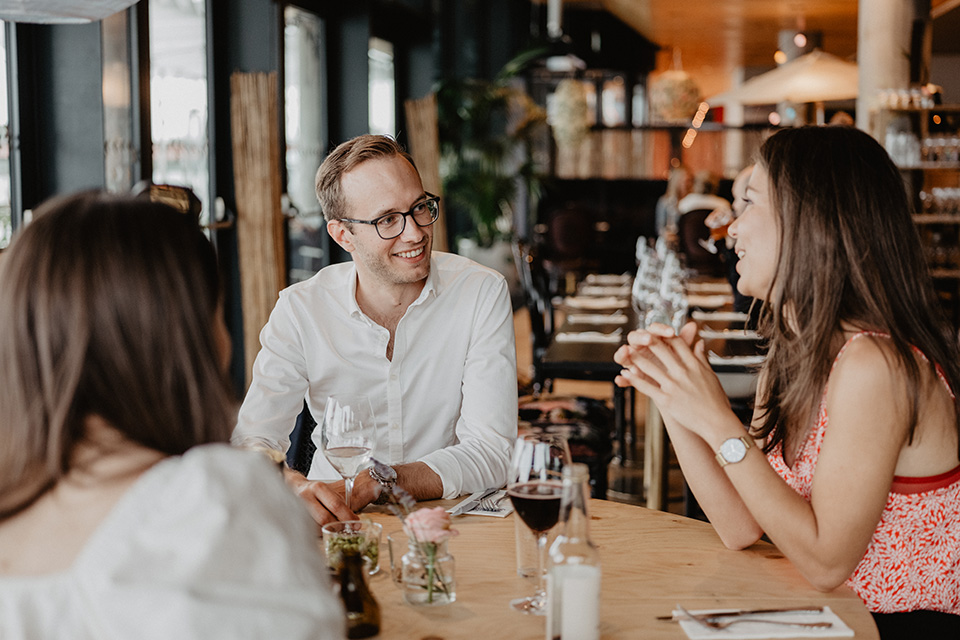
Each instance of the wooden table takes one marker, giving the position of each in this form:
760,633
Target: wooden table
651,561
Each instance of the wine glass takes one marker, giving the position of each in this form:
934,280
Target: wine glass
535,487
349,430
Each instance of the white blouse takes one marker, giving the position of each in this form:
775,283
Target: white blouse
206,545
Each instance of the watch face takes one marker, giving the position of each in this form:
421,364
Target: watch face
733,450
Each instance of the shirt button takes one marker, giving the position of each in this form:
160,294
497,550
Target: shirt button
395,426
393,376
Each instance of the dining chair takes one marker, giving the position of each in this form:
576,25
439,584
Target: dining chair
568,246
302,448
537,300
690,231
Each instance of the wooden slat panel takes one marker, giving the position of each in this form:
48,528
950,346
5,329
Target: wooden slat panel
425,150
256,169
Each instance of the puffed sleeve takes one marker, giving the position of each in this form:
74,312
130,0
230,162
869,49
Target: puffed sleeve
216,547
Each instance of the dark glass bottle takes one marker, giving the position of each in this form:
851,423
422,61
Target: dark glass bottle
363,612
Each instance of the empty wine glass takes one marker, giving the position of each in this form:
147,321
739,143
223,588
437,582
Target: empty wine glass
348,436
535,487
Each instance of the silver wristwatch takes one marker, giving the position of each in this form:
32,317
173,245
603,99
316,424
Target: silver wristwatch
387,477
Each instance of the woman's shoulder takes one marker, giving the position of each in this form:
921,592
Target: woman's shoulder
868,359
213,534
210,494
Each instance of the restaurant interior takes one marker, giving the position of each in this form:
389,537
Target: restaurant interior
549,128
567,116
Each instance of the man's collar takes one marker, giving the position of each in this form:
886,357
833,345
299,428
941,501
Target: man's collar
432,285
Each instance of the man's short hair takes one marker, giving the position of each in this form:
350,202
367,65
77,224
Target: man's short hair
345,157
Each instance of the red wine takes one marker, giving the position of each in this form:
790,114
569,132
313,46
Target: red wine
537,503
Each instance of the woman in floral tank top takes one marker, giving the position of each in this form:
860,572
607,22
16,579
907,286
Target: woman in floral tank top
855,410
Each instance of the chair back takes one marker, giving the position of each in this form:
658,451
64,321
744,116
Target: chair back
691,230
302,447
536,295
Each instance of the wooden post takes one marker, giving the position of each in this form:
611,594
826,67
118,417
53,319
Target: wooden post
260,224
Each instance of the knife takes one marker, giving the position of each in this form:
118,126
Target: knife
472,501
746,612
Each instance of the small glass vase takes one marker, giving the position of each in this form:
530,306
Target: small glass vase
428,574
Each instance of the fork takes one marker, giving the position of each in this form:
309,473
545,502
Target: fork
710,623
489,504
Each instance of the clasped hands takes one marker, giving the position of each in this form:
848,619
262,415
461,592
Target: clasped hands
673,371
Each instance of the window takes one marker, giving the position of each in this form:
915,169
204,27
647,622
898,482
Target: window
6,217
178,96
382,91
120,153
306,138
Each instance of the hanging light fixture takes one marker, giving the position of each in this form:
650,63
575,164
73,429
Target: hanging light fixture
60,11
674,96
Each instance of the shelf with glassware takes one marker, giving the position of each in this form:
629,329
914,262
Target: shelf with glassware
924,142
919,137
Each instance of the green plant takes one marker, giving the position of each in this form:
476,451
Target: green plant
486,127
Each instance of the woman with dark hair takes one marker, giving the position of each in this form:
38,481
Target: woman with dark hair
855,409
113,521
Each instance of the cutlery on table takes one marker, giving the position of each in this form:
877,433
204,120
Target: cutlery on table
721,613
711,622
473,501
491,504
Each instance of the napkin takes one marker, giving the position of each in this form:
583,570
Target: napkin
597,318
607,302
719,316
749,630
505,506
729,334
713,358
600,290
612,279
709,302
588,336
708,287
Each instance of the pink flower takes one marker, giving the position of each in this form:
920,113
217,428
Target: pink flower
429,525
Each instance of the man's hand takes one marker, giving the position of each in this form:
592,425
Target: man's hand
324,502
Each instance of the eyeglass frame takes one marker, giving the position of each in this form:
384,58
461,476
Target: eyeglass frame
403,226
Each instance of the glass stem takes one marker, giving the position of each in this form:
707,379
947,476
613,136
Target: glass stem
541,592
347,489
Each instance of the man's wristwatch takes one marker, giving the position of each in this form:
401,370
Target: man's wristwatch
387,480
733,450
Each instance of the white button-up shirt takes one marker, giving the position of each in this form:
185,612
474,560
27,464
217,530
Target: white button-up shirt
448,397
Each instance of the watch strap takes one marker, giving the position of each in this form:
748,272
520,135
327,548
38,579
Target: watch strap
386,485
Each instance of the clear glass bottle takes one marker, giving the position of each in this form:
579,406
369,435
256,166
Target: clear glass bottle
363,612
429,573
573,583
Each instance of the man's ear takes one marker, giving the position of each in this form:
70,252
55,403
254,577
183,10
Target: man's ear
341,235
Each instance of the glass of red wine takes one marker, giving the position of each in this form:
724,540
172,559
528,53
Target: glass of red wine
534,489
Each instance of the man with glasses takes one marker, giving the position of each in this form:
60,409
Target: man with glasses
428,337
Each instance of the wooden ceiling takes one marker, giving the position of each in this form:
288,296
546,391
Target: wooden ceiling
715,38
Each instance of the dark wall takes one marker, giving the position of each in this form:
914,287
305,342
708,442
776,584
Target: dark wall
245,36
61,107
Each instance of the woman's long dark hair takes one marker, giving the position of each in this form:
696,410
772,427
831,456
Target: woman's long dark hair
850,252
107,308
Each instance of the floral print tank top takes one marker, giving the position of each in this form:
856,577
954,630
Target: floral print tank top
913,560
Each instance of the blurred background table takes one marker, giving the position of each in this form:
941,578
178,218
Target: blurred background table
651,561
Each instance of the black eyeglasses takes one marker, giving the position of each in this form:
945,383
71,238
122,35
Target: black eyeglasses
391,225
